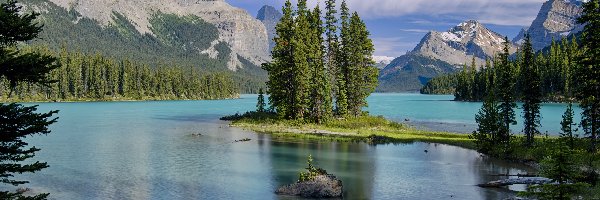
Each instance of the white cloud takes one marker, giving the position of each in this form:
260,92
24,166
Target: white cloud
391,46
499,12
415,30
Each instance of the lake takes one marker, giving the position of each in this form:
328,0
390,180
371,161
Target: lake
146,150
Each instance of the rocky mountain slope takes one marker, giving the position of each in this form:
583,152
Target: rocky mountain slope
440,53
457,45
246,36
269,16
556,19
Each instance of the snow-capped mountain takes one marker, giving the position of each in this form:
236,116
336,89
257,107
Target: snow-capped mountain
382,61
556,19
459,44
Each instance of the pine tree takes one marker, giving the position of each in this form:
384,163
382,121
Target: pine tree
280,69
362,75
301,63
567,125
531,93
342,61
587,89
332,48
489,123
320,90
505,91
260,104
16,121
561,168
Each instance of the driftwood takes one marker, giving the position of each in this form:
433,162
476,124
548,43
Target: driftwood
513,181
517,175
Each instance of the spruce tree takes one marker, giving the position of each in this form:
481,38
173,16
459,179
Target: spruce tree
332,43
342,61
505,91
17,122
320,90
280,68
560,166
567,125
301,63
587,89
531,93
489,123
362,75
260,104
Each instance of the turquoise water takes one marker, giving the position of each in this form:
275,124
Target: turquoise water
145,150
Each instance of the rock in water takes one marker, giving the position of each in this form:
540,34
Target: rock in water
323,186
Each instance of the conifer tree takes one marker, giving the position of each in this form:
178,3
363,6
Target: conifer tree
489,123
301,62
560,166
17,121
587,89
531,93
362,75
280,68
342,61
505,91
320,90
260,104
567,125
332,43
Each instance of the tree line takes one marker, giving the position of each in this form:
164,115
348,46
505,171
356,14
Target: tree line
571,162
96,77
555,72
320,70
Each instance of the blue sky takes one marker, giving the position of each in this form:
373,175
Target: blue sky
397,26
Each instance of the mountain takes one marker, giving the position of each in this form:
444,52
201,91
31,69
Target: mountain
269,16
439,53
410,72
245,36
457,45
382,61
556,19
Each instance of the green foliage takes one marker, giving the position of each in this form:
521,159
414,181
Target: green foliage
567,127
489,122
306,78
587,73
444,84
311,171
175,41
560,166
17,122
87,77
260,104
532,96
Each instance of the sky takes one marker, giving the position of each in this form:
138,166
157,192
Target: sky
397,26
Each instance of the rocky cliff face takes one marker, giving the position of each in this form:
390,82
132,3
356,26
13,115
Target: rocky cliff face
556,19
457,45
246,36
269,16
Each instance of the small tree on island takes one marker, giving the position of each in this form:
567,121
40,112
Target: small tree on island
16,121
564,172
260,104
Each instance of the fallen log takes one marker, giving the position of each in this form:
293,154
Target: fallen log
513,181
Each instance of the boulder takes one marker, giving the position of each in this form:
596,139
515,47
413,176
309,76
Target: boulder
322,186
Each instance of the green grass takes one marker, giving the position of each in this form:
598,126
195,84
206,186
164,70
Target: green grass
370,129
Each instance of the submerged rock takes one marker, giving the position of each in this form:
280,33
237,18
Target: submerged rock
322,186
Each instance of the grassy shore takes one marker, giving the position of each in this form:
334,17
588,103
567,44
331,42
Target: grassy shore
375,130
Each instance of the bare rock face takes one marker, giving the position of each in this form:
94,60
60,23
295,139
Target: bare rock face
323,186
459,44
269,16
246,35
556,19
